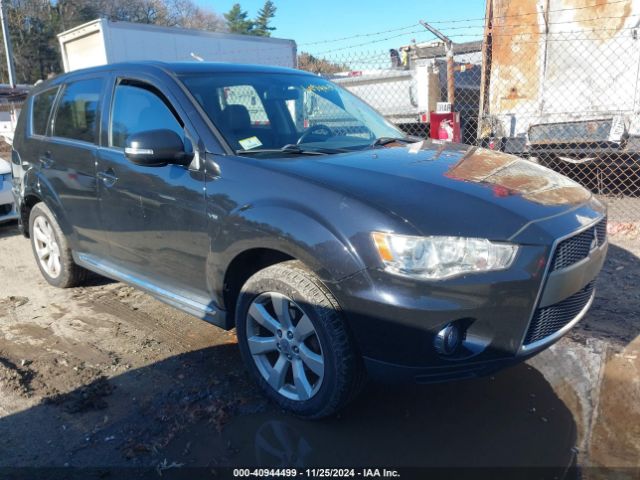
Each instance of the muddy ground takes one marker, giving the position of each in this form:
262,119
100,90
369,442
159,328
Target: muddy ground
104,375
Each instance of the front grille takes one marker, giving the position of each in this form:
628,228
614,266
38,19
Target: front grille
6,209
574,249
548,320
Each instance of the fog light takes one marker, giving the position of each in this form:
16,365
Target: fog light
448,339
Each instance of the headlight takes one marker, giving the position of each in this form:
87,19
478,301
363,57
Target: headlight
436,258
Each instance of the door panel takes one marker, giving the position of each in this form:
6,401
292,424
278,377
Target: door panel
155,216
156,219
67,159
70,169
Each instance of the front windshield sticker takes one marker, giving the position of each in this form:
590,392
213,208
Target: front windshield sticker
249,143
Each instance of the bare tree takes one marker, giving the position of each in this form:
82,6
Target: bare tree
308,62
186,14
138,11
33,25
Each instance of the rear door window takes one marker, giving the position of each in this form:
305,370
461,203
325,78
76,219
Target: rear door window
76,117
137,107
40,110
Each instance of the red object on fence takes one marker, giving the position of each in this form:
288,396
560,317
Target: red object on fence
445,126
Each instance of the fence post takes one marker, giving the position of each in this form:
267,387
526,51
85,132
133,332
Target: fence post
451,86
8,48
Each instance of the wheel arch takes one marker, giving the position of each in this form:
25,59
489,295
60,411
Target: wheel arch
38,189
273,234
241,268
28,202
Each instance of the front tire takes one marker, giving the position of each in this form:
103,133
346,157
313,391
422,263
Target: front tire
295,343
51,249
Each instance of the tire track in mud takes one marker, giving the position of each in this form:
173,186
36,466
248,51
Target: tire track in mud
183,333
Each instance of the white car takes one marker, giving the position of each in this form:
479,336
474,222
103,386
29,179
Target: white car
7,204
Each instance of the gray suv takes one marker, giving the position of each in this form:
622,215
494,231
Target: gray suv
338,252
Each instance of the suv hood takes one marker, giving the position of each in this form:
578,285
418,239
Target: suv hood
445,188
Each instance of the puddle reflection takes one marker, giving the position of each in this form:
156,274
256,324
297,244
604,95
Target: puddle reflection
513,419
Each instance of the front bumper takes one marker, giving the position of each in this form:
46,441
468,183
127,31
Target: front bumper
7,204
395,320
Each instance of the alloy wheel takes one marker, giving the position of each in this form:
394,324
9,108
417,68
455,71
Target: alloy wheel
46,246
285,346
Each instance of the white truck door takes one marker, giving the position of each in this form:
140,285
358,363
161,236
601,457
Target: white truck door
584,77
84,52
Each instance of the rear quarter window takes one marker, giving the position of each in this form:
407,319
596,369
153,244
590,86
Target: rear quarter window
40,110
76,117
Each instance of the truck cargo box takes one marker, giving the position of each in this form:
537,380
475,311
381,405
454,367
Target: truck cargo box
560,77
102,41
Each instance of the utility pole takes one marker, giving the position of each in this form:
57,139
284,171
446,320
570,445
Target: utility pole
8,49
448,45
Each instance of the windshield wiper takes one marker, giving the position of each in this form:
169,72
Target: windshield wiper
293,150
382,141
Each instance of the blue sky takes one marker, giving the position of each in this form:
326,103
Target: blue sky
307,22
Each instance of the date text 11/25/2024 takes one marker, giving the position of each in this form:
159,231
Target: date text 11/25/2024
316,472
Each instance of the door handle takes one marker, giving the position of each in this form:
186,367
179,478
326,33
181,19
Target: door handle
108,177
45,160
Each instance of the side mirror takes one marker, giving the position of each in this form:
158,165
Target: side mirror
156,148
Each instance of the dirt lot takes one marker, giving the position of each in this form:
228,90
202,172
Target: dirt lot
104,375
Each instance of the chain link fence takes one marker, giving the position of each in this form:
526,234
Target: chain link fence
559,88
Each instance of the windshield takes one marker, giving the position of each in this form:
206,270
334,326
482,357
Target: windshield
265,112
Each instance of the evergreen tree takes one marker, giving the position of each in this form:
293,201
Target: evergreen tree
265,14
237,20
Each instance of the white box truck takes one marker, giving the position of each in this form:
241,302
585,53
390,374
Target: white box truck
103,41
562,83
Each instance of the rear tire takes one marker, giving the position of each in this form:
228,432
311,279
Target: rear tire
51,249
294,341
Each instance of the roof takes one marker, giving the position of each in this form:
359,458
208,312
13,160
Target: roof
178,68
219,67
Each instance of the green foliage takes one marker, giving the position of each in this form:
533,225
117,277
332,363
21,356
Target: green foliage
238,21
265,14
